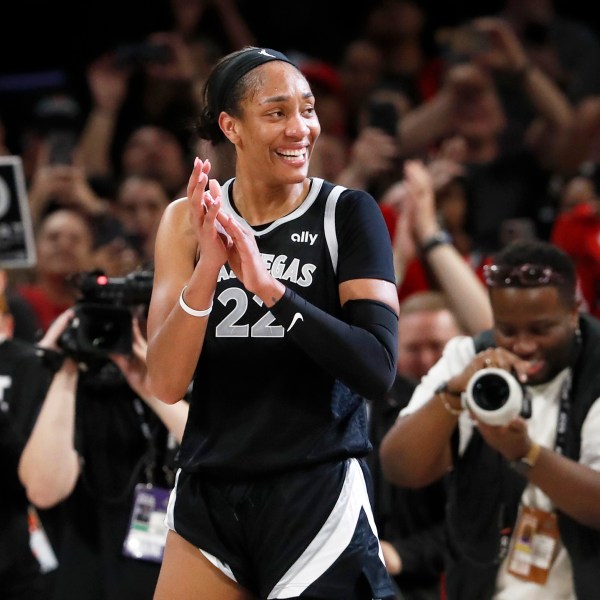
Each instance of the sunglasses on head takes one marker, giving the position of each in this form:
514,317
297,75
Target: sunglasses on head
526,275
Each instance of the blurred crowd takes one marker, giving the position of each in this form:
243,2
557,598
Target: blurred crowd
482,133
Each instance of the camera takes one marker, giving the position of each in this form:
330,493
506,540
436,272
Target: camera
101,324
496,397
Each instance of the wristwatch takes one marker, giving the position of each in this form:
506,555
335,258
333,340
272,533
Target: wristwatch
523,464
439,238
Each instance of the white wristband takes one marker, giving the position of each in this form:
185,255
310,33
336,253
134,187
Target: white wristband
191,311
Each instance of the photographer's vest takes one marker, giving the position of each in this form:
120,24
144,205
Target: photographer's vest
481,517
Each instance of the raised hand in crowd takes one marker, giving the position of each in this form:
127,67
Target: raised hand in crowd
420,234
108,83
63,186
374,152
188,14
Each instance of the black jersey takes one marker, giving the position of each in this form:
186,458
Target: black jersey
260,404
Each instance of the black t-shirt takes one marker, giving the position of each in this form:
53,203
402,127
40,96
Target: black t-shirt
23,384
115,454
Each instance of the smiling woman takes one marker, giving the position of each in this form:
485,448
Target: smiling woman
287,319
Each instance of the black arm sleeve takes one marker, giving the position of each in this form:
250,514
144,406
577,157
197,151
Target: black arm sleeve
361,351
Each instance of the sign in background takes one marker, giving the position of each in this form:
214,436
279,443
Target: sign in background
17,245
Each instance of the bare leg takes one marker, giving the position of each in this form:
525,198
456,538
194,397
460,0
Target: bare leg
186,574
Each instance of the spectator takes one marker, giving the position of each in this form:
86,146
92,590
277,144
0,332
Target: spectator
66,186
420,241
24,380
502,182
139,206
374,157
194,18
156,83
576,230
411,523
51,134
118,256
154,151
64,244
149,145
566,49
101,449
541,336
326,84
360,69
400,30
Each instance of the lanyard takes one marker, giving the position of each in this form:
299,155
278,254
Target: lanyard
563,415
150,455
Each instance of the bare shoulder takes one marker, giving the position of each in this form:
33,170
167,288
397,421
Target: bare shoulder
176,213
175,221
175,234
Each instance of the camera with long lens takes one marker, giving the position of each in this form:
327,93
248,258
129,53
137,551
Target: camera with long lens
101,324
496,397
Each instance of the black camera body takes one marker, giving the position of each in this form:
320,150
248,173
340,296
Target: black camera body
496,397
102,321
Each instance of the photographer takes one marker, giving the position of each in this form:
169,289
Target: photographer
103,447
524,498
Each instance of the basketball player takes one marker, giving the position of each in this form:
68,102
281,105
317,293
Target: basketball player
276,296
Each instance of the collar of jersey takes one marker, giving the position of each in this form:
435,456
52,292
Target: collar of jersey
315,188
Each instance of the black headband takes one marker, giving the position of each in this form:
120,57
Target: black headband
237,67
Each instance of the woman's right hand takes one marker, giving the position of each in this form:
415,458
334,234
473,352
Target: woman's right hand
204,206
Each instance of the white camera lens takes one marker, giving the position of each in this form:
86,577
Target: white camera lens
494,396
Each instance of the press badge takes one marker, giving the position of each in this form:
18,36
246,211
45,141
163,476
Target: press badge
535,544
147,530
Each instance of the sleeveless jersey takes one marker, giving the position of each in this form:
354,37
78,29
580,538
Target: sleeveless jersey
259,403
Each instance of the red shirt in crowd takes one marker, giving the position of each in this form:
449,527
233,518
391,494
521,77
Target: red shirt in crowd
577,232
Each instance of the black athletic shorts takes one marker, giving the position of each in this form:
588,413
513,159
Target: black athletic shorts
308,533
